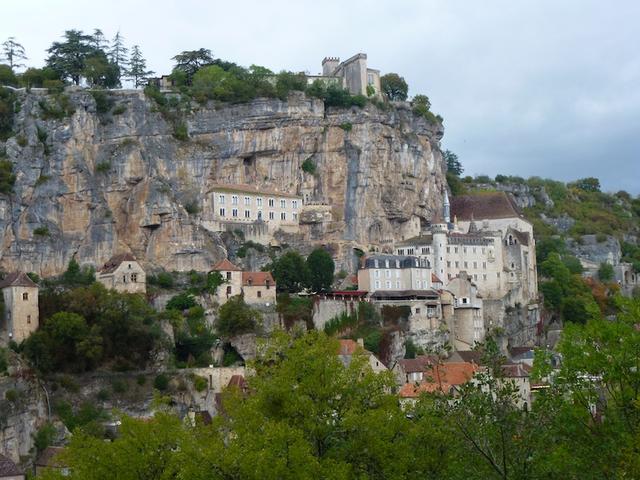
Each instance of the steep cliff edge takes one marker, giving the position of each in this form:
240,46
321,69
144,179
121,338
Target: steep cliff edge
93,184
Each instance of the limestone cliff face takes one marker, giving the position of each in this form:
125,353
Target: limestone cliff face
93,185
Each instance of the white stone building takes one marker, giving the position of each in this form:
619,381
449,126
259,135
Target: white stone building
257,288
21,314
124,274
258,212
232,276
394,273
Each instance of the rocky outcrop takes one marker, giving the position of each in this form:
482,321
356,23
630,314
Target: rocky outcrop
95,184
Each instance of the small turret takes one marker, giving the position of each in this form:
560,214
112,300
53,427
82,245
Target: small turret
446,212
329,65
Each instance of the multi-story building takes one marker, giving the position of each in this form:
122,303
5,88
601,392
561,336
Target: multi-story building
234,206
352,74
394,272
232,277
488,239
20,295
257,288
124,274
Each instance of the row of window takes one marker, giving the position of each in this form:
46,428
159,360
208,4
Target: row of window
387,273
412,251
247,214
259,201
466,264
417,262
398,285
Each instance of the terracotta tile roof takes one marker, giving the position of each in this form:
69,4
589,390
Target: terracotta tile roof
412,390
488,205
17,279
8,468
452,373
257,279
226,266
348,346
115,261
421,363
48,458
238,187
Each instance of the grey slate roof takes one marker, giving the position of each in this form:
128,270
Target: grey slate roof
17,279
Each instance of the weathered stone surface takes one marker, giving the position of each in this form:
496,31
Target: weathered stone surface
104,183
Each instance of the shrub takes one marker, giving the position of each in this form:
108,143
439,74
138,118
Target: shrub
68,383
181,302
58,108
347,126
601,237
180,132
12,395
44,437
141,380
192,207
103,167
119,110
7,178
235,317
605,272
119,386
309,166
41,231
103,395
22,140
165,280
200,383
340,323
104,102
231,357
161,382
3,360
42,179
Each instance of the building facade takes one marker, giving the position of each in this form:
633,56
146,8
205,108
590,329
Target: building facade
352,74
21,314
124,274
394,273
468,327
258,288
236,206
232,277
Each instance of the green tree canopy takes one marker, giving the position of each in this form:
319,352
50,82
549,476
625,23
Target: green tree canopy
291,272
453,163
190,61
13,52
394,86
67,58
321,268
137,71
235,317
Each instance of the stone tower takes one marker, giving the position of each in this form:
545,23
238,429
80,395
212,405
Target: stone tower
20,295
329,65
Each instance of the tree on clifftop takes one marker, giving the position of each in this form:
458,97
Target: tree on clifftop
67,58
137,67
190,61
453,164
13,52
394,86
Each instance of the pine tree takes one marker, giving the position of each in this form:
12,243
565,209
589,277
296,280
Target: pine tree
13,52
98,40
137,71
118,52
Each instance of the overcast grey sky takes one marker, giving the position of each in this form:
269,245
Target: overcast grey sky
526,87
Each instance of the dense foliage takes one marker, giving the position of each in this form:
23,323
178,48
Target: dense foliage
306,415
293,273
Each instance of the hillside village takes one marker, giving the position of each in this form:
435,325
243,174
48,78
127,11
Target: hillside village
169,270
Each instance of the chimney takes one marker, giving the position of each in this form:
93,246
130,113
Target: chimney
360,342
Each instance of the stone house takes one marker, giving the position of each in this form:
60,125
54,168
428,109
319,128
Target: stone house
124,274
519,375
258,288
412,370
443,378
348,348
9,470
21,314
232,277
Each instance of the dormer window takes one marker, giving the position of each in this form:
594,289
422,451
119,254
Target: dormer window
376,263
386,264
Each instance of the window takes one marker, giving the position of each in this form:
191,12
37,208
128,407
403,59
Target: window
417,284
222,213
513,265
283,215
134,277
484,277
28,318
221,199
464,250
425,250
465,300
228,290
475,276
397,263
129,266
124,279
401,251
417,311
283,203
388,285
267,284
398,285
387,273
228,275
455,249
295,216
377,284
466,265
410,251
259,294
377,273
234,212
474,249
25,296
234,200
369,78
259,201
271,202
484,265
294,204
457,264
247,201
475,265
271,215
376,263
397,273
448,264
247,214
